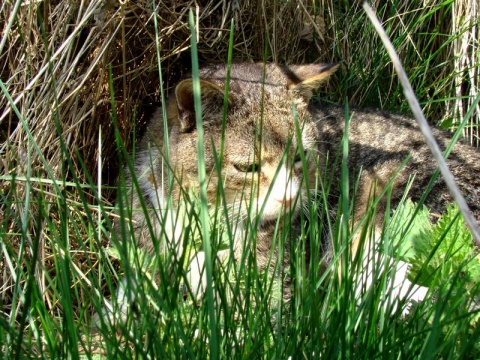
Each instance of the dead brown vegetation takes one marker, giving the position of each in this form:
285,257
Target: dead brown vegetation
58,57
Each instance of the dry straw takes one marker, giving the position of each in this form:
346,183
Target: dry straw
57,54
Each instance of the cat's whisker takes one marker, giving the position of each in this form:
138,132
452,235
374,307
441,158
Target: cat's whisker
319,119
236,212
317,151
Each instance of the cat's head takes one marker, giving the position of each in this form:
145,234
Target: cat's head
262,127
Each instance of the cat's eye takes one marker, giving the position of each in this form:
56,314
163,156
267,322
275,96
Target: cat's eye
247,168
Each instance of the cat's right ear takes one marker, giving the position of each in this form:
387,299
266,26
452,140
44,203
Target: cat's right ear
303,79
212,95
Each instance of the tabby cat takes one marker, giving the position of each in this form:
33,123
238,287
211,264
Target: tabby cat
271,137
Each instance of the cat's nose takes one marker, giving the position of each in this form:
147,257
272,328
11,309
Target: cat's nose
286,199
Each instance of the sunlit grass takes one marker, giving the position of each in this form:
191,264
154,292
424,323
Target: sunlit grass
60,261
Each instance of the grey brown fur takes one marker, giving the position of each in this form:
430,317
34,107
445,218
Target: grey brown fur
379,142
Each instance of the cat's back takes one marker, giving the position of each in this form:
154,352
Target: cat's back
380,141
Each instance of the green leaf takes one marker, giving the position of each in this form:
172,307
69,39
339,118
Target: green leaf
412,229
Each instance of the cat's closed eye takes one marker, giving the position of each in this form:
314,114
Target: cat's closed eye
247,168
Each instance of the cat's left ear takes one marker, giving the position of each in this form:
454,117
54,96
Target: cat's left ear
212,97
303,79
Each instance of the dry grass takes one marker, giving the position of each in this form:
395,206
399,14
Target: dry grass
57,61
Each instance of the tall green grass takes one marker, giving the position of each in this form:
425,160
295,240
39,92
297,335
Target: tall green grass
48,303
436,41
